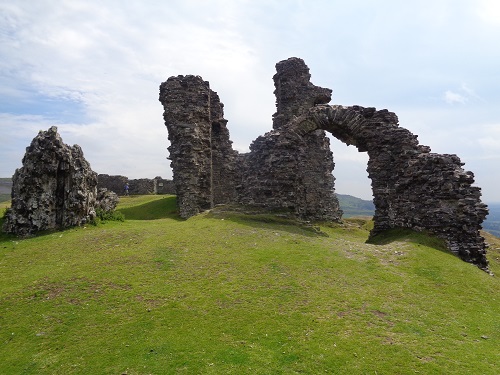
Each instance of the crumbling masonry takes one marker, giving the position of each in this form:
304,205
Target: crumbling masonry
290,168
54,189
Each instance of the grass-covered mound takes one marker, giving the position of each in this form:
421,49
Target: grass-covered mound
228,294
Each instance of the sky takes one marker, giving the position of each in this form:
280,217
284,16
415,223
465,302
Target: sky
93,69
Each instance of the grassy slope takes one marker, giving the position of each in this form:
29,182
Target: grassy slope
221,294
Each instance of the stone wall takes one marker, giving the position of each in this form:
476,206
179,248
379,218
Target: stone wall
289,168
202,158
55,188
114,183
141,186
412,187
292,172
164,186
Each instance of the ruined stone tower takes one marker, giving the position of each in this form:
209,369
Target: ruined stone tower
296,172
202,158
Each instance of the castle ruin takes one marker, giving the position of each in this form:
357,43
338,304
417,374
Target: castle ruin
290,167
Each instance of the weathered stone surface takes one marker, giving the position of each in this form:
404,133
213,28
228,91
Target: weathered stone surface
114,183
285,170
412,187
202,158
55,187
164,186
294,92
106,200
143,186
290,167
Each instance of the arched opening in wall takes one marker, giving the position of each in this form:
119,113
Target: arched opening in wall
351,178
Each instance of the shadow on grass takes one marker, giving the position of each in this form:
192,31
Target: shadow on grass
258,218
409,235
164,208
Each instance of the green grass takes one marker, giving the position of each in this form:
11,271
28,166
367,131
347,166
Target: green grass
148,207
225,293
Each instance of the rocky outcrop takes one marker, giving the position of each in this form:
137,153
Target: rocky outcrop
55,188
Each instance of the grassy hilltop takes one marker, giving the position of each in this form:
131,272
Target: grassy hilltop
224,293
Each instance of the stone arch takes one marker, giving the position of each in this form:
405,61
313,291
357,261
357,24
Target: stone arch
290,167
412,187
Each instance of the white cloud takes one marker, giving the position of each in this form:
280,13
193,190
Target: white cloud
451,97
107,60
489,12
489,140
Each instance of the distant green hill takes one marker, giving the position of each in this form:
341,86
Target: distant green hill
492,222
5,189
353,206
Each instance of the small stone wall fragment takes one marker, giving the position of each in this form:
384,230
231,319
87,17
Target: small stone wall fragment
114,183
141,186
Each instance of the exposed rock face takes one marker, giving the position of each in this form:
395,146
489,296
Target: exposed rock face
290,167
55,187
203,161
106,200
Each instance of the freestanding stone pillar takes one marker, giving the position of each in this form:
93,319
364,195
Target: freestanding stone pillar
202,158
